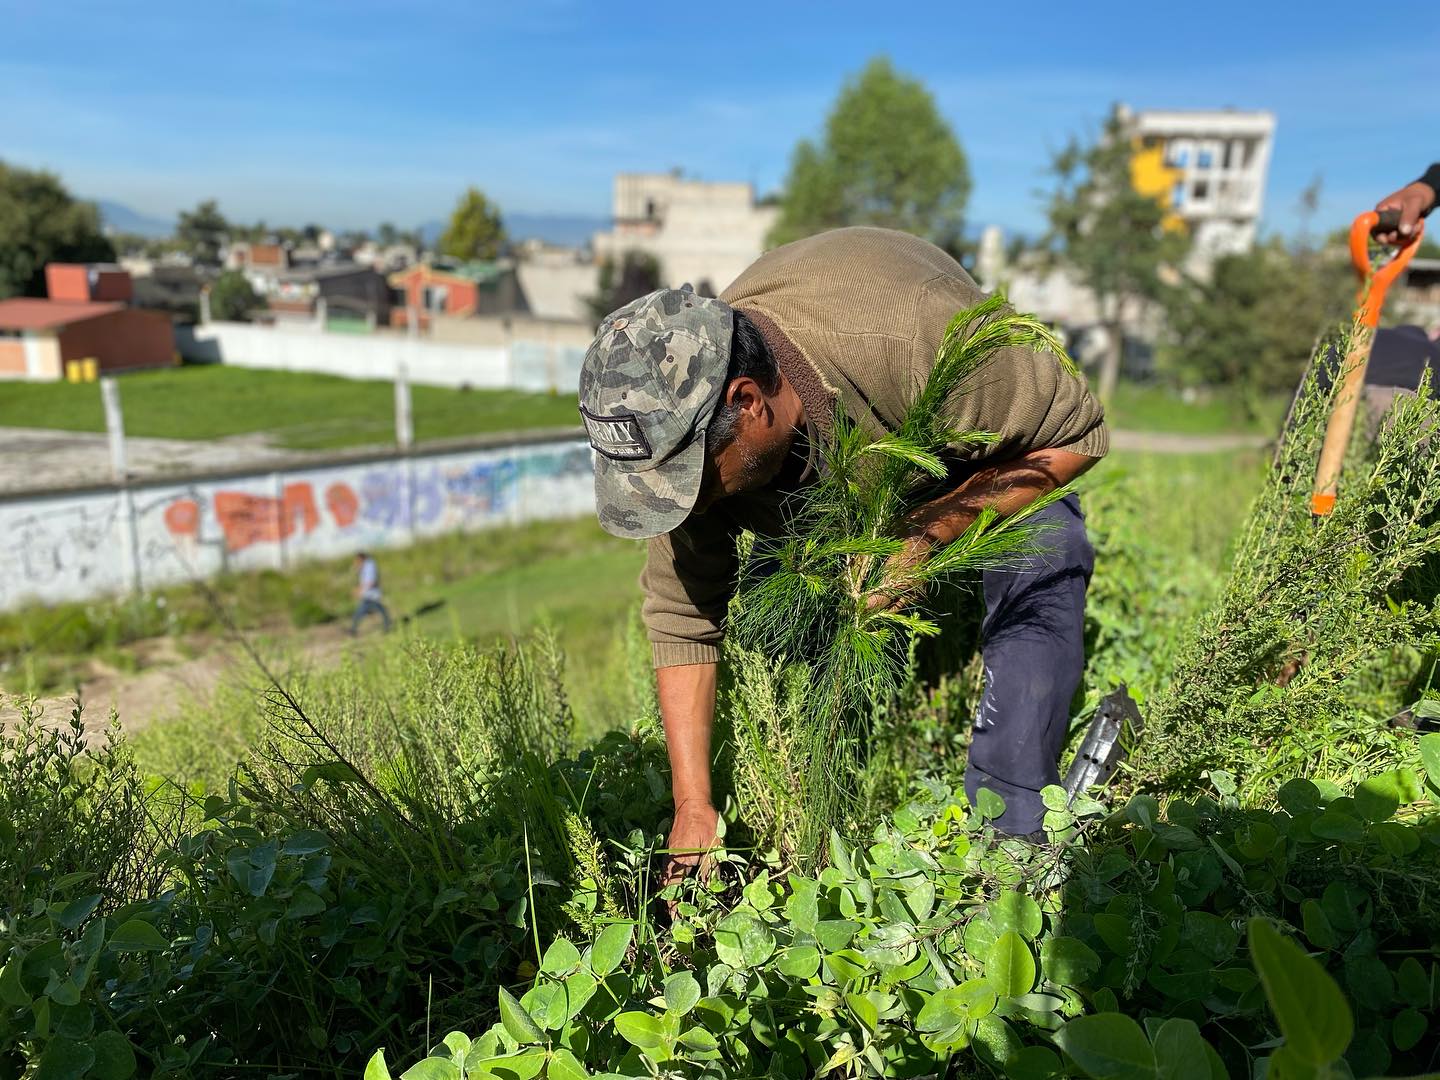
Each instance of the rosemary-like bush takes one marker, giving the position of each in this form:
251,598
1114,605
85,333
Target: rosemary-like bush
819,594
1270,680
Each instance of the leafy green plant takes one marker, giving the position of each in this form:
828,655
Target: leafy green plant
937,948
820,594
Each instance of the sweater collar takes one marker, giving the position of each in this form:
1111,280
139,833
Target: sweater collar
799,372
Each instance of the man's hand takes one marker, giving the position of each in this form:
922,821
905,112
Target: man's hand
897,590
1412,201
692,836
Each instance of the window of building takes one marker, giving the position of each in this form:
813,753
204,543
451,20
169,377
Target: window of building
435,297
1204,159
1201,191
1179,155
1229,159
1177,195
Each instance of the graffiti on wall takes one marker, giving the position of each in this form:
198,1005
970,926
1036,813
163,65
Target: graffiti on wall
70,547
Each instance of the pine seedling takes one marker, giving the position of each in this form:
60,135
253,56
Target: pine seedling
821,593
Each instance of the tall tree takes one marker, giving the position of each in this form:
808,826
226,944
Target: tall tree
202,232
232,298
41,223
888,158
636,275
1250,328
1114,238
475,230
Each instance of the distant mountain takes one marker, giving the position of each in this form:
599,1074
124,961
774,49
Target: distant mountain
567,230
119,218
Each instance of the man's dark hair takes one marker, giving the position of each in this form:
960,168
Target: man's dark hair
750,357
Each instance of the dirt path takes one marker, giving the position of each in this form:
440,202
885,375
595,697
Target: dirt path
168,684
1169,442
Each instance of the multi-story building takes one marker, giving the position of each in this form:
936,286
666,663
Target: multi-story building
702,232
1209,166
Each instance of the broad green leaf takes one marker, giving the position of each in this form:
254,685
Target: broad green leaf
432,1068
799,961
519,1023
1180,1051
742,940
1430,758
1018,912
336,772
77,911
995,1042
1108,1046
1413,982
1054,797
1067,961
114,1057
1379,797
565,1066
835,933
1010,967
988,804
64,1059
375,1068
610,947
1033,1063
562,956
1409,1029
980,935
11,991
1317,925
640,1029
1143,810
1312,1012
840,856
864,1010
697,1038
681,992
305,842
136,935
1336,824
802,907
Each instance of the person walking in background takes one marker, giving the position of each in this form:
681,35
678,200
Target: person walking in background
1414,201
367,592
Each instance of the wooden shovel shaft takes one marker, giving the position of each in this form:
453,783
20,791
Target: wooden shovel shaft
1341,422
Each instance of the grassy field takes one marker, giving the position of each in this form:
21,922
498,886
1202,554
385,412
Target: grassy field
1140,407
300,411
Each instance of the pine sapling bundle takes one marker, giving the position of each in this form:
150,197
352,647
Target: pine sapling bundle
821,593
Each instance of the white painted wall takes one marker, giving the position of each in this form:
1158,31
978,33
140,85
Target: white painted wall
74,546
354,356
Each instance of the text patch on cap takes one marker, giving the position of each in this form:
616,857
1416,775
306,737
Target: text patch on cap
617,437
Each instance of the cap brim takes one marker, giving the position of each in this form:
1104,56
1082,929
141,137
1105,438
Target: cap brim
638,505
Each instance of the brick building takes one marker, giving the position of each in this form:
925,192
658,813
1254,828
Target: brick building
85,317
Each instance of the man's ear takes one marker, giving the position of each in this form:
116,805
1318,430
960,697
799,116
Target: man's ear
744,393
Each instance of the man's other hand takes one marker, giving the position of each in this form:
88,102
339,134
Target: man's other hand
897,589
691,837
1412,201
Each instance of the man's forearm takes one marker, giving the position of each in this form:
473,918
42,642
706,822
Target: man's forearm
1007,487
687,709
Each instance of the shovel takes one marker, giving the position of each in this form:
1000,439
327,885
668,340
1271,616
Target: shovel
1374,282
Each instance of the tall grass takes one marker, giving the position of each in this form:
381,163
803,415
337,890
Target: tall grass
820,594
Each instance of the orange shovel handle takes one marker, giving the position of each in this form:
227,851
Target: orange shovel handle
1372,299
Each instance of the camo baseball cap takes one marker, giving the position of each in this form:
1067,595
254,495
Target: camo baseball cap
648,388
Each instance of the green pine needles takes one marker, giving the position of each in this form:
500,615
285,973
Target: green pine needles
821,594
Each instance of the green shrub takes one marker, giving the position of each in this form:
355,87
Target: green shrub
1135,944
1272,682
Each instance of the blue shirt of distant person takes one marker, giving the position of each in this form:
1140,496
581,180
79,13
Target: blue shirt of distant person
367,592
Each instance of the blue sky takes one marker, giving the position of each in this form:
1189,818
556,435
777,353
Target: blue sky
349,114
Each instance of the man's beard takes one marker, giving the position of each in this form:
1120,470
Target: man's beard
758,468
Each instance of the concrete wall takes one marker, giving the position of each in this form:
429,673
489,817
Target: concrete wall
378,356
73,545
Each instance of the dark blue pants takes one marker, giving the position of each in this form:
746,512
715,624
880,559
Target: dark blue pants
369,606
1033,645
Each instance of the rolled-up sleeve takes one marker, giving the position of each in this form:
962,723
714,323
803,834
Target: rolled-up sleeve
688,580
